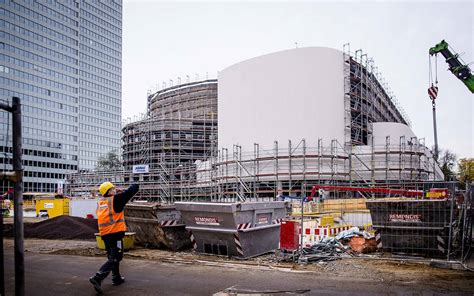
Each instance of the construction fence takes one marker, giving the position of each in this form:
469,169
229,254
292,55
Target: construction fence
433,221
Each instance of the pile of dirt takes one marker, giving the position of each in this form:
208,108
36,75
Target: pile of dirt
61,227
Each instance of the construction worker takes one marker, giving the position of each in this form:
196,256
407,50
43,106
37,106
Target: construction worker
110,218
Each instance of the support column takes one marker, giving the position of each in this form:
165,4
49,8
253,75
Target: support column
18,198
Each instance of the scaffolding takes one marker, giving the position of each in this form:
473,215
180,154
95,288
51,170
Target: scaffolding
167,142
178,129
178,140
266,174
367,100
181,126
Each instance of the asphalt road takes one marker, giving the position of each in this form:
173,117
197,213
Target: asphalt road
68,275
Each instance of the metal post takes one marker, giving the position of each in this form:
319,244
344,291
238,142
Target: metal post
226,171
234,163
181,183
303,190
18,198
372,163
453,192
467,235
2,265
16,177
320,154
302,228
464,224
333,162
401,159
387,157
413,141
350,166
289,168
275,153
435,130
255,171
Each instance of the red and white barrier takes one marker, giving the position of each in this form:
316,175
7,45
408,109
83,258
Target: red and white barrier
313,235
238,245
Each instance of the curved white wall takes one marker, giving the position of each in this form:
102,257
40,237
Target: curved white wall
394,130
288,95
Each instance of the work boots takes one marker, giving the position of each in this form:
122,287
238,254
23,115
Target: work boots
96,281
117,280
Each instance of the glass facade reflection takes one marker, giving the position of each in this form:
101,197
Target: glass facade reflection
64,60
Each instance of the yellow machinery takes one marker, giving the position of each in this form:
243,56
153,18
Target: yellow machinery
52,207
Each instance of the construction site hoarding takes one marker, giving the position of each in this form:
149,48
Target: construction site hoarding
233,229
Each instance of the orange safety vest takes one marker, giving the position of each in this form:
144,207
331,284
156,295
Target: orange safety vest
109,221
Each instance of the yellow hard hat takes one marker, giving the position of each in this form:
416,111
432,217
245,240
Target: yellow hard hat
104,187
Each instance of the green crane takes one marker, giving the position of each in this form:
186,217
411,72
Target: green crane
461,71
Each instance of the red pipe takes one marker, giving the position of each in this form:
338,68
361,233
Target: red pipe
367,189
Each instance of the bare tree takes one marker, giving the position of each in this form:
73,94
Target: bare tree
109,162
447,160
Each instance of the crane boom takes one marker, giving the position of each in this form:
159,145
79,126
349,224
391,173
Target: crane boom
461,71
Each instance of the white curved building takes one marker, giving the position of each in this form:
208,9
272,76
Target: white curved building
288,95
300,93
353,128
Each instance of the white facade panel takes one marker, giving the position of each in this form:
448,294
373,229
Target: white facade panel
394,130
290,95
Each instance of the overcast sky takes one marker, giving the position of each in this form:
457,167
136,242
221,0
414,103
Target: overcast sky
166,40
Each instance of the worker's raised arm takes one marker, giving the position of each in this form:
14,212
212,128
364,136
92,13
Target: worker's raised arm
121,199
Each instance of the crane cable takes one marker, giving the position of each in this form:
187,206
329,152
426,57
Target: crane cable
431,72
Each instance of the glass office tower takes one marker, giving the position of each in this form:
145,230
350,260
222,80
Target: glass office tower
63,60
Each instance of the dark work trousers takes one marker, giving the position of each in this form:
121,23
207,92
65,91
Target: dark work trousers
114,248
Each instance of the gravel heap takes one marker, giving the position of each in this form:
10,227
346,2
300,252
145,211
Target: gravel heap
61,227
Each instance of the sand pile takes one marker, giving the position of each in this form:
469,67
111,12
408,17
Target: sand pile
61,227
